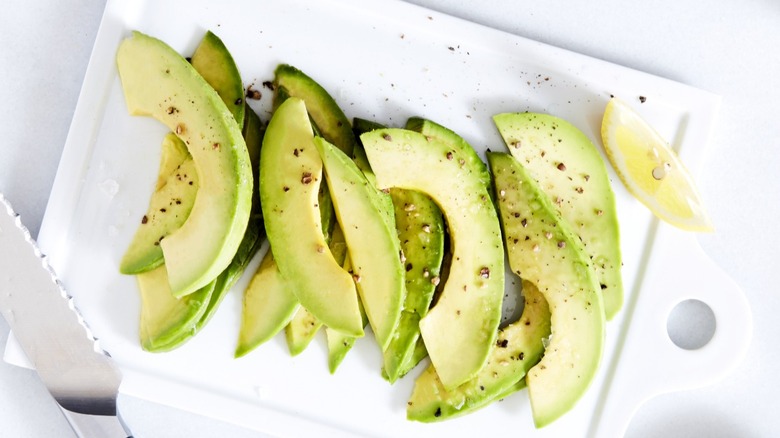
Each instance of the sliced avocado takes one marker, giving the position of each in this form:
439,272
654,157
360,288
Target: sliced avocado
339,344
543,249
328,117
300,331
304,326
519,347
571,171
158,82
430,128
173,153
290,176
267,307
372,243
215,63
167,322
420,227
461,328
254,236
169,208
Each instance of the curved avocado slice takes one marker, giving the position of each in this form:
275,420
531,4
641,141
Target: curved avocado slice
372,242
166,322
267,307
519,347
571,171
327,116
169,208
215,63
290,176
420,227
461,328
158,82
543,249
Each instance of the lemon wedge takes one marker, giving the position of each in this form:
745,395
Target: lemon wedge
650,169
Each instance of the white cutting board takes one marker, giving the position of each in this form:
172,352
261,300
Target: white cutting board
385,61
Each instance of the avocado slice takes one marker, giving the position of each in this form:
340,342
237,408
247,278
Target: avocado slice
169,207
267,307
158,82
211,59
461,328
543,249
420,227
166,322
325,113
519,347
173,152
372,243
571,171
290,176
254,236
340,344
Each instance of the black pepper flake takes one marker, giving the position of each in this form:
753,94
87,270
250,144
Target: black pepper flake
387,137
449,155
239,101
642,99
253,94
296,152
524,222
484,272
409,267
561,167
269,85
215,146
162,210
306,178
286,189
561,244
503,343
516,214
438,412
144,219
521,356
603,286
172,109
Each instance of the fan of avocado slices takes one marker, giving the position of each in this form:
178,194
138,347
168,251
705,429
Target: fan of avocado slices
403,230
168,321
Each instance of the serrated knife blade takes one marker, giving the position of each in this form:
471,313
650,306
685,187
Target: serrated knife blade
80,376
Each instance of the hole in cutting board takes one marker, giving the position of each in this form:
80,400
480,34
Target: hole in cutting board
691,324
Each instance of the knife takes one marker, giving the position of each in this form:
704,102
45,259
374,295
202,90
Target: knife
80,376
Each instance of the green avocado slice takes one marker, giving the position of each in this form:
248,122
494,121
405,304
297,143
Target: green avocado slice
372,242
461,328
290,176
159,83
215,63
543,249
169,207
570,169
519,347
166,322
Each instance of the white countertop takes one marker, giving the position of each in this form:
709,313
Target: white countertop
726,47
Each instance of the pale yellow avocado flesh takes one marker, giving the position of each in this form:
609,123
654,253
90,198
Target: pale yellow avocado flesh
158,82
372,242
571,171
290,176
460,329
543,249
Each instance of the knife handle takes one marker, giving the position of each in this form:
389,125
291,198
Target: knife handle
97,426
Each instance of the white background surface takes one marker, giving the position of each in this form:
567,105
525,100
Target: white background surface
725,47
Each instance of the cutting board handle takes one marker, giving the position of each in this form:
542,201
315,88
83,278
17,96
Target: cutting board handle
647,362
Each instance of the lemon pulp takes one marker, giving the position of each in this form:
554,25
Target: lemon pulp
650,169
